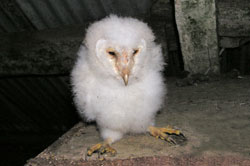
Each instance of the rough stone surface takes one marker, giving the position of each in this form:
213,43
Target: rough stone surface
233,18
233,22
213,115
196,23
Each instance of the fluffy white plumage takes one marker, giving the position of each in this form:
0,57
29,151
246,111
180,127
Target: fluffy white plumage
115,48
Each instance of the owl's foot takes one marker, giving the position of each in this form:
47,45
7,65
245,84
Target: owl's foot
101,148
168,134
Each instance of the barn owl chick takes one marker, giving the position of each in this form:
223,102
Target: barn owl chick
117,80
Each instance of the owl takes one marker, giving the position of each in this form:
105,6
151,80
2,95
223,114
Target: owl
117,80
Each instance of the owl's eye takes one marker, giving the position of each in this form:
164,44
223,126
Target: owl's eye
112,53
135,51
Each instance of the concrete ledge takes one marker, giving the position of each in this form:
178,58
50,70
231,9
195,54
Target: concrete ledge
156,161
213,115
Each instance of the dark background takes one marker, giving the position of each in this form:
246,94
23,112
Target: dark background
38,45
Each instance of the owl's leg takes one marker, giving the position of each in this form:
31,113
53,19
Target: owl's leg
102,148
166,133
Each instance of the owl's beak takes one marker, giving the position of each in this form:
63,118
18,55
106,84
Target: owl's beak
124,66
125,79
125,74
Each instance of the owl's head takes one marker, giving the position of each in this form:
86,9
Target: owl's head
119,45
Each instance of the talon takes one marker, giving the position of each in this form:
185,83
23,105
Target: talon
163,133
101,148
182,135
171,140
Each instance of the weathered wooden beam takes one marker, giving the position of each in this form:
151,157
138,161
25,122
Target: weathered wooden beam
196,24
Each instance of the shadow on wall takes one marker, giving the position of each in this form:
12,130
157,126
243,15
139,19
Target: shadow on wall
236,59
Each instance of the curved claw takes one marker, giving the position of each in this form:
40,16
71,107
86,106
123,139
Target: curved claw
183,136
171,140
